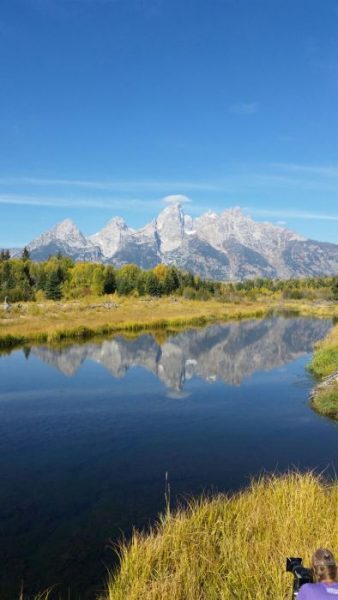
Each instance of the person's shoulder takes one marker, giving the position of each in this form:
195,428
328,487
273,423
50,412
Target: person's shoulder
310,591
305,591
332,589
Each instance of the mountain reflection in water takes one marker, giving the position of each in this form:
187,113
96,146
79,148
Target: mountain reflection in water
226,352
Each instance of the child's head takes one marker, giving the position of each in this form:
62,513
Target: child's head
324,565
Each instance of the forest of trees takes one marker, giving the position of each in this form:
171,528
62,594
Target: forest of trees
59,277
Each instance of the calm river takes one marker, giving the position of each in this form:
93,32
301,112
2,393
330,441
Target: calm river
87,433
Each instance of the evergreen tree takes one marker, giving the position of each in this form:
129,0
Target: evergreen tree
53,286
5,254
171,281
109,284
335,289
7,276
153,286
25,254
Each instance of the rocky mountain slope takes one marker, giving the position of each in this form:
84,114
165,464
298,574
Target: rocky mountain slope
226,246
67,239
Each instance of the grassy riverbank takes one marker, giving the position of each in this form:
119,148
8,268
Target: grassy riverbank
55,321
324,366
51,321
230,547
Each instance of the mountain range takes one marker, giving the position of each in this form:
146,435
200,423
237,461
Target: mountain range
226,246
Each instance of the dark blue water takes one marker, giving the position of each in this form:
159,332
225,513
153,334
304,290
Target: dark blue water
87,433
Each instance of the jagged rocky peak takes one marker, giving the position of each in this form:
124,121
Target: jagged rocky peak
117,222
170,227
232,224
66,231
65,226
172,212
111,238
238,221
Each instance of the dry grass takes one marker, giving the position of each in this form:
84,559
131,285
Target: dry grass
323,364
325,358
320,309
231,548
43,596
53,321
325,402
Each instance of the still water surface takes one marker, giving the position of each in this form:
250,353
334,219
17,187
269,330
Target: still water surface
88,431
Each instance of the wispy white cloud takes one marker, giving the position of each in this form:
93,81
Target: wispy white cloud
176,199
46,4
317,178
267,180
275,181
312,170
292,214
61,202
66,8
244,108
155,185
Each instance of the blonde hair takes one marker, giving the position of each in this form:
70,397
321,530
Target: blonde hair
324,565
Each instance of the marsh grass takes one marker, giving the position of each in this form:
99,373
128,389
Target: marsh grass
42,596
52,322
230,547
325,358
326,402
323,364
55,322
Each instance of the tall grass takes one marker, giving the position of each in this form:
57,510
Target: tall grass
42,596
325,358
325,363
325,401
231,547
55,321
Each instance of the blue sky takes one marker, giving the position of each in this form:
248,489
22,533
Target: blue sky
108,106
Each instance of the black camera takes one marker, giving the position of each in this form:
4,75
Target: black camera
301,574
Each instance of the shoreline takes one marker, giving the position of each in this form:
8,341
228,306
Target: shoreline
53,322
324,366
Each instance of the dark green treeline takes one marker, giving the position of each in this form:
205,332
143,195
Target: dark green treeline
59,277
